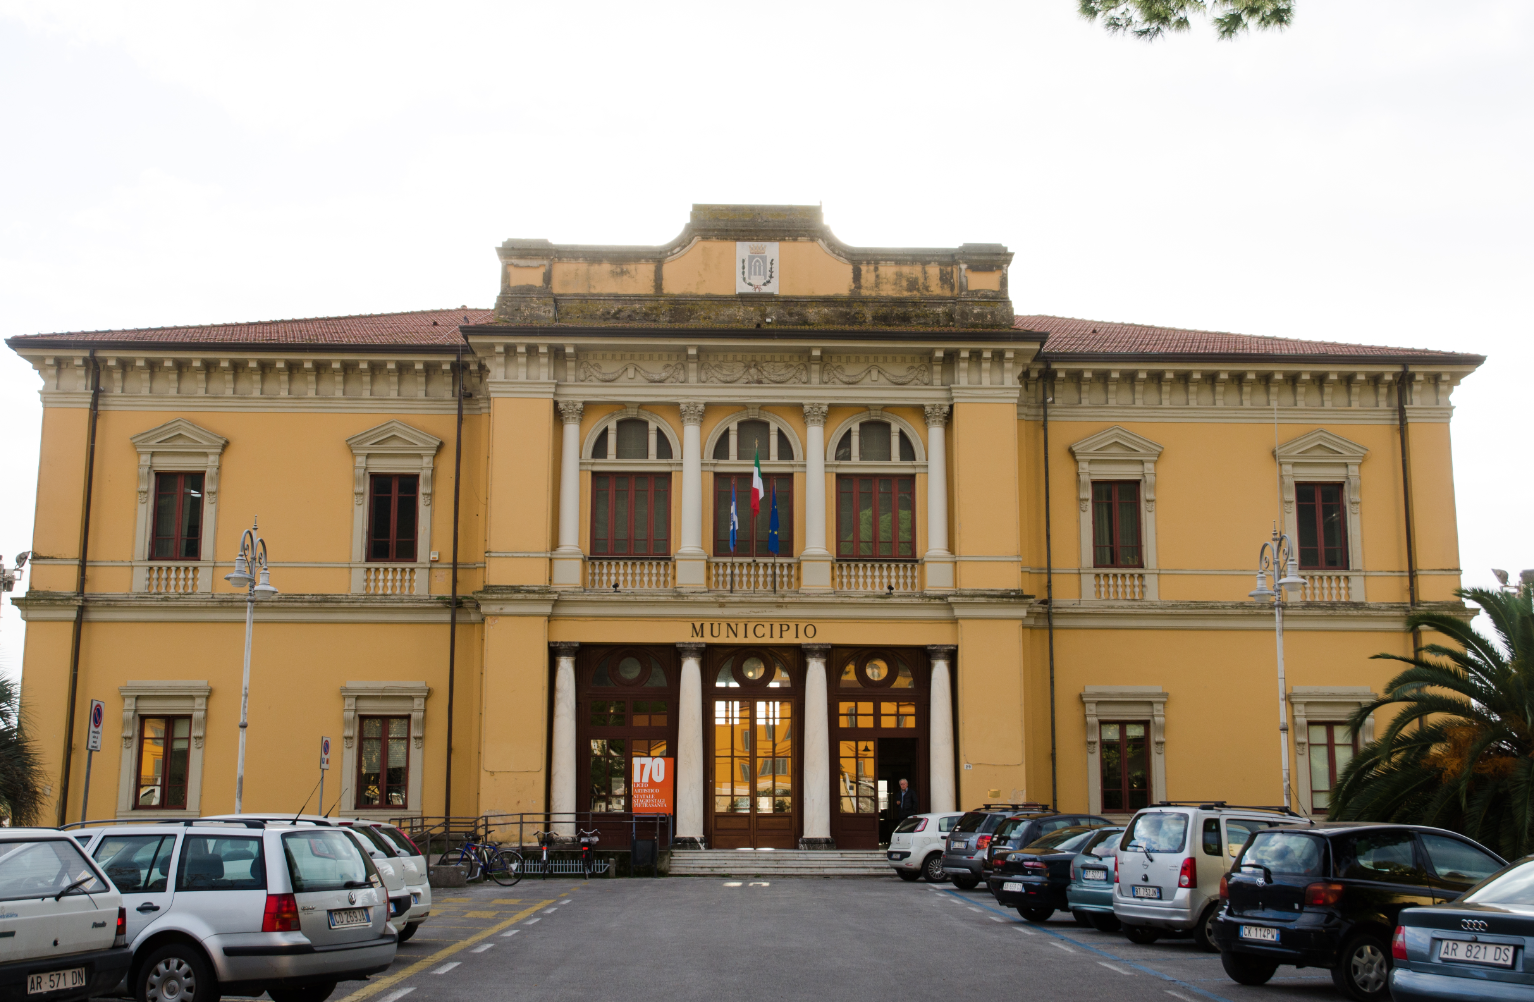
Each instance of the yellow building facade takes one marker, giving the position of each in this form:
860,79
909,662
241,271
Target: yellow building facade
1005,557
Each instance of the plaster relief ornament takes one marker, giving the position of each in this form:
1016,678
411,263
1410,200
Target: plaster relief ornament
758,271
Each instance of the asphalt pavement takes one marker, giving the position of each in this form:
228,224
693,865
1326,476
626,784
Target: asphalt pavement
682,938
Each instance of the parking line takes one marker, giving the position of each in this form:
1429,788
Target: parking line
389,981
1114,967
397,994
532,920
481,948
1062,946
1179,995
1025,932
447,967
997,918
1104,953
511,933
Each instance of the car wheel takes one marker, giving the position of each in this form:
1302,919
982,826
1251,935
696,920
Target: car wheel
1035,914
1143,935
1082,919
966,883
308,993
933,870
908,875
176,973
1104,922
1364,973
407,932
1203,933
1245,969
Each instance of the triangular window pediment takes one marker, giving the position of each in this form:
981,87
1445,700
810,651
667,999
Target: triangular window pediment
1320,445
1116,443
394,436
179,435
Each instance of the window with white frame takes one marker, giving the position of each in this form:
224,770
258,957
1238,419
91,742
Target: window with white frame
391,508
1116,495
163,722
383,748
1320,481
1126,746
632,435
177,507
1324,741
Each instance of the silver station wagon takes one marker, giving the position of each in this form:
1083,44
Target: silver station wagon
238,908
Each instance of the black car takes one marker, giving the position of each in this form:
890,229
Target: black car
964,852
1475,947
1021,830
1329,894
1034,879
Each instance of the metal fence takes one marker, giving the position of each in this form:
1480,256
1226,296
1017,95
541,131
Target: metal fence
438,837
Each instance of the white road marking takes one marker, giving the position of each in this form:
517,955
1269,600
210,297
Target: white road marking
732,883
564,901
1061,946
760,883
481,948
977,911
532,920
508,935
1025,932
1180,995
397,994
549,911
1116,967
997,918
447,967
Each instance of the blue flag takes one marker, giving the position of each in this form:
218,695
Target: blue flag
734,517
772,526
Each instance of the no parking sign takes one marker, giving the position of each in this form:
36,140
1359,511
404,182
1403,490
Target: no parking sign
324,753
98,714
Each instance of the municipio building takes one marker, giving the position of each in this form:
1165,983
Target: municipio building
1004,556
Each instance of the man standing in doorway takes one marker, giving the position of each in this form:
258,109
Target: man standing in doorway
905,802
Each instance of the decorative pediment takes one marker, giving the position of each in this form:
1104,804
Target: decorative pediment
1116,443
178,445
393,447
179,435
1320,446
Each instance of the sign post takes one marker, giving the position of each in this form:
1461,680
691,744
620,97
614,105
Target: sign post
324,768
92,746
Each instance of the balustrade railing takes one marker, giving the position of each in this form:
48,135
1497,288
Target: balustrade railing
1325,588
899,577
1118,586
752,574
388,579
629,575
171,579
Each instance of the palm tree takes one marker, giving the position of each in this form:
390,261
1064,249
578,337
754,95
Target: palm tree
21,771
1468,763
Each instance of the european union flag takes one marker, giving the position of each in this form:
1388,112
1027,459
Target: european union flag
772,526
734,517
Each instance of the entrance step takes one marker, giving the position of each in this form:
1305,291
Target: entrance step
779,863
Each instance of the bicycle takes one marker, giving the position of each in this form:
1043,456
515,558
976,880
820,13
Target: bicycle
486,859
588,839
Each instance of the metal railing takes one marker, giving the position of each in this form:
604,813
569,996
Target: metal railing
438,837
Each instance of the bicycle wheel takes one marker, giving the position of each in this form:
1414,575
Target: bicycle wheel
504,867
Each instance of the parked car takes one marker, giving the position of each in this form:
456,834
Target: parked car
1033,879
1170,861
242,907
916,847
1330,894
966,852
1475,947
403,871
1093,873
61,920
1020,831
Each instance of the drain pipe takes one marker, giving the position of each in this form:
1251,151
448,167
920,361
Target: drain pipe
92,374
1411,535
452,612
1049,594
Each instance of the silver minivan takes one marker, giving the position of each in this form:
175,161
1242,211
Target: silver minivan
239,908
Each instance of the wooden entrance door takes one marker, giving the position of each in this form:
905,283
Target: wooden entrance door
754,770
878,737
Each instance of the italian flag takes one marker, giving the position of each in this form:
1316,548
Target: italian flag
756,485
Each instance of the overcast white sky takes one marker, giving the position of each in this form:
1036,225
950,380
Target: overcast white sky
1364,176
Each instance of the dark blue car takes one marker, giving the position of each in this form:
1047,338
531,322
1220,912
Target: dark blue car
1476,947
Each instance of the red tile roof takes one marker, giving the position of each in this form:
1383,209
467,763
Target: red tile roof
1085,339
422,330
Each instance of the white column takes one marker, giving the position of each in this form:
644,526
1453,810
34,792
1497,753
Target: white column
691,561
562,768
817,752
689,747
938,559
815,561
566,569
940,732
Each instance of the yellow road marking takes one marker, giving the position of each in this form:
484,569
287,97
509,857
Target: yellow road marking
506,901
454,899
480,914
373,987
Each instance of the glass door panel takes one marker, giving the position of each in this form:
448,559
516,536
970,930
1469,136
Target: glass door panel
753,773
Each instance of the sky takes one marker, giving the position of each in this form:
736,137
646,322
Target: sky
1362,176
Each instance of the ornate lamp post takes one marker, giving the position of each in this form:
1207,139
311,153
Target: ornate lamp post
252,556
1276,554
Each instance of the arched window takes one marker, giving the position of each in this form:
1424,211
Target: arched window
632,438
746,440
875,441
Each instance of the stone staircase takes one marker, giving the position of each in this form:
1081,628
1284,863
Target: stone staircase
780,863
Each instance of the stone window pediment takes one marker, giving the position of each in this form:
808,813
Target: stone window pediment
1325,456
157,697
176,446
1121,455
392,447
384,698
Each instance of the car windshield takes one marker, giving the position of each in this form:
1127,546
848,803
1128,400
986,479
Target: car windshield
398,838
1157,831
1285,852
1511,886
1063,840
45,867
908,825
324,860
371,834
1102,842
971,822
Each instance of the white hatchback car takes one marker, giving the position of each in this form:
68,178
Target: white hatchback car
238,908
61,922
916,846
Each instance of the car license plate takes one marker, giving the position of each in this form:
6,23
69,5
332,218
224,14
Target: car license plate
1260,933
1100,875
1012,885
1141,891
348,918
55,981
1476,953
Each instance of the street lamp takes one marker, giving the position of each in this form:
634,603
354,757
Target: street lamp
1276,554
251,557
